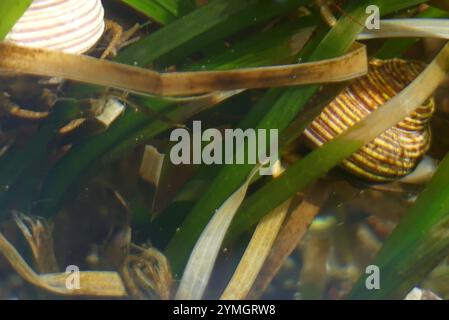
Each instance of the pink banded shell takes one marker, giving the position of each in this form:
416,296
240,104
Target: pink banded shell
72,26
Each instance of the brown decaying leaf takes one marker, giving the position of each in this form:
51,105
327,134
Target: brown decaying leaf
110,74
291,233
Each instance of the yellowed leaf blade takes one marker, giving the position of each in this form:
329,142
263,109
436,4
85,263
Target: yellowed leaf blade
401,28
255,254
202,259
400,106
91,283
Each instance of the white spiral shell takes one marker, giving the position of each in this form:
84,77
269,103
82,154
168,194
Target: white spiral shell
72,26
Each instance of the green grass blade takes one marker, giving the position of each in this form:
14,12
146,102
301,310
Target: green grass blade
388,7
417,245
163,11
185,6
274,46
11,13
170,5
16,161
196,30
153,10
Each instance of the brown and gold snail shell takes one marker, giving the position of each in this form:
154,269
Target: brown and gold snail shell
395,152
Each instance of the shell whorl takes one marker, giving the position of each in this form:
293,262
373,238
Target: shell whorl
72,26
395,152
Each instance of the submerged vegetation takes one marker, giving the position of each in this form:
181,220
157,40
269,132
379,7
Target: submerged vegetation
87,181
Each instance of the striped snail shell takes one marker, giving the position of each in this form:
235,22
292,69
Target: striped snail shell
395,152
72,26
